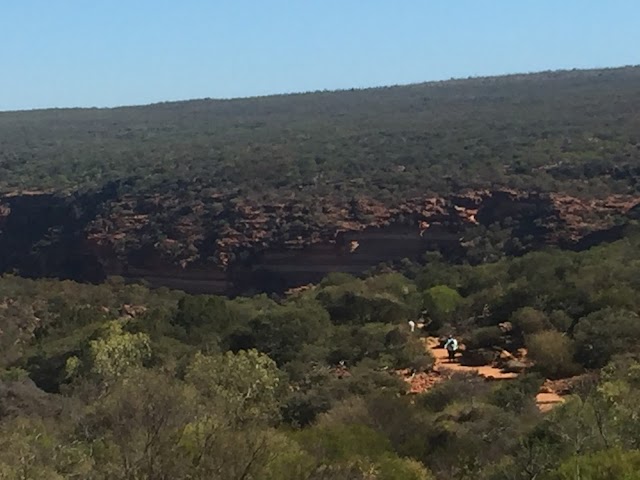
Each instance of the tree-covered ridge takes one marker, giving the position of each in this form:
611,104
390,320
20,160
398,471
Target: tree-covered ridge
573,131
139,384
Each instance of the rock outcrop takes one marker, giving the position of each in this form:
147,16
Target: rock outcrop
221,243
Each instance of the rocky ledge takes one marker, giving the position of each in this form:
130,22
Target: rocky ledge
221,243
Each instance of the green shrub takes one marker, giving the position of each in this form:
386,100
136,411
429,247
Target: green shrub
408,351
393,468
605,333
484,337
422,363
341,442
462,386
612,464
552,353
560,320
517,395
528,320
337,279
13,374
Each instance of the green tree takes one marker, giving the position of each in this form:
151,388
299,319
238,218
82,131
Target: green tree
441,303
134,431
247,384
117,351
616,402
210,447
204,317
284,331
30,450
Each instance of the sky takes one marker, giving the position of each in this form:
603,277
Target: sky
70,53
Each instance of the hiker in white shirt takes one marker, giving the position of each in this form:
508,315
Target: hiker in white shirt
452,347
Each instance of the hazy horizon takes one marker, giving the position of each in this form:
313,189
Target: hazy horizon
78,55
308,92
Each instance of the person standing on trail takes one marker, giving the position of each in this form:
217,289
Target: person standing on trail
412,325
452,347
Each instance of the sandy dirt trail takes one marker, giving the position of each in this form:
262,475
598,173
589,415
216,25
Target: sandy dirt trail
545,400
443,365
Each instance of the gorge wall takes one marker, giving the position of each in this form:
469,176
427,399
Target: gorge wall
216,243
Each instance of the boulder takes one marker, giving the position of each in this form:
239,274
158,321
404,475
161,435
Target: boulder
514,366
132,311
506,327
505,356
478,357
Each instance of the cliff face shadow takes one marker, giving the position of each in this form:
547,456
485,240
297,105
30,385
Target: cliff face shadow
87,237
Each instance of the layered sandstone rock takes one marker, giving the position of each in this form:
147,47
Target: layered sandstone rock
212,242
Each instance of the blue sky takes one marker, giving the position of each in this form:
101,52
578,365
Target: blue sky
64,53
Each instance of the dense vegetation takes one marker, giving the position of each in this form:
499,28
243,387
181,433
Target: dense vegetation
118,382
574,131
